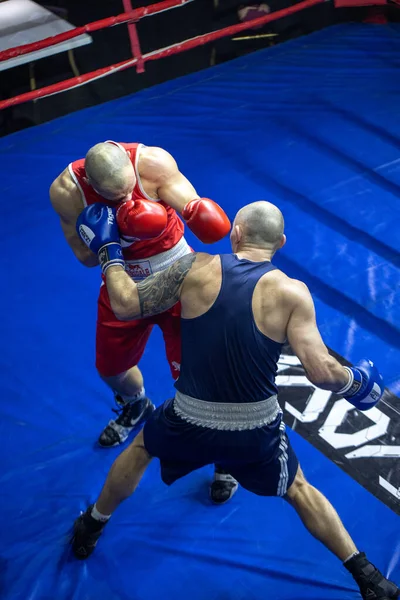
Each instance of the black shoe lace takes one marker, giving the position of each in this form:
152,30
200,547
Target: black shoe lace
118,411
119,404
128,413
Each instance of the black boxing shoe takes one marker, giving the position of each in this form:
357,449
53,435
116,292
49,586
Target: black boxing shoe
373,585
130,416
223,486
85,534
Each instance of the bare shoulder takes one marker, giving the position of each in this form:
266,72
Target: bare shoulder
299,302
295,289
194,266
156,164
65,196
205,261
193,269
291,291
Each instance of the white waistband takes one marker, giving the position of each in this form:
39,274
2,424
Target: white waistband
143,267
225,415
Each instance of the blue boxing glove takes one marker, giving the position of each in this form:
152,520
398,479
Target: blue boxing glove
97,227
365,387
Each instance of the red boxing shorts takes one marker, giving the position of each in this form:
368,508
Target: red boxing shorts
120,344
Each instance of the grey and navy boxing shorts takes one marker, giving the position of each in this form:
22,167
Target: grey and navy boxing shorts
261,459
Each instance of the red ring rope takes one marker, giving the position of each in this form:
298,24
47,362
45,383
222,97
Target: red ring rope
134,15
162,53
134,39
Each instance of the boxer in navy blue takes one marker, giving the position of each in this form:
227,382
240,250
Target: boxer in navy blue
237,311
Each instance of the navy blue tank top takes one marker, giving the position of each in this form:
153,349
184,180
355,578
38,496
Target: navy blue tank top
225,357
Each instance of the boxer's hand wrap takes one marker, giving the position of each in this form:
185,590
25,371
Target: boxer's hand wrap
97,227
365,387
140,220
207,220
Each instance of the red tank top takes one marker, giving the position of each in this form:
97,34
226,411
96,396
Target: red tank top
171,234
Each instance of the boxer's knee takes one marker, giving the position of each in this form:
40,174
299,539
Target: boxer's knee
127,470
299,487
136,460
128,383
138,452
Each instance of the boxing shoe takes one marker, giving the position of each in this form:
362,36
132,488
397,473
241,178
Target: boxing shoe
85,534
223,486
130,416
373,585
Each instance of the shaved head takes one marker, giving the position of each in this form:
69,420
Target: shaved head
259,225
110,171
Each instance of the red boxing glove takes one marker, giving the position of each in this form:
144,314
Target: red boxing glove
141,219
207,220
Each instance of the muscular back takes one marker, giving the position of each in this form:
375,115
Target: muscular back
272,302
282,308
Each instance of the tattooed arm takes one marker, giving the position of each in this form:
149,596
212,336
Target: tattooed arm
154,295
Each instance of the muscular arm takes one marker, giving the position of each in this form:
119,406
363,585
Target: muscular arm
205,218
172,186
322,369
67,203
154,295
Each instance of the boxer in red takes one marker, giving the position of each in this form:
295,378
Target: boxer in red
149,188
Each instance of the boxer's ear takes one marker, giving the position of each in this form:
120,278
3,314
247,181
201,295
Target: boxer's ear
236,236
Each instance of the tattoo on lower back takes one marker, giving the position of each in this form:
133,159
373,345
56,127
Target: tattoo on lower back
159,292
